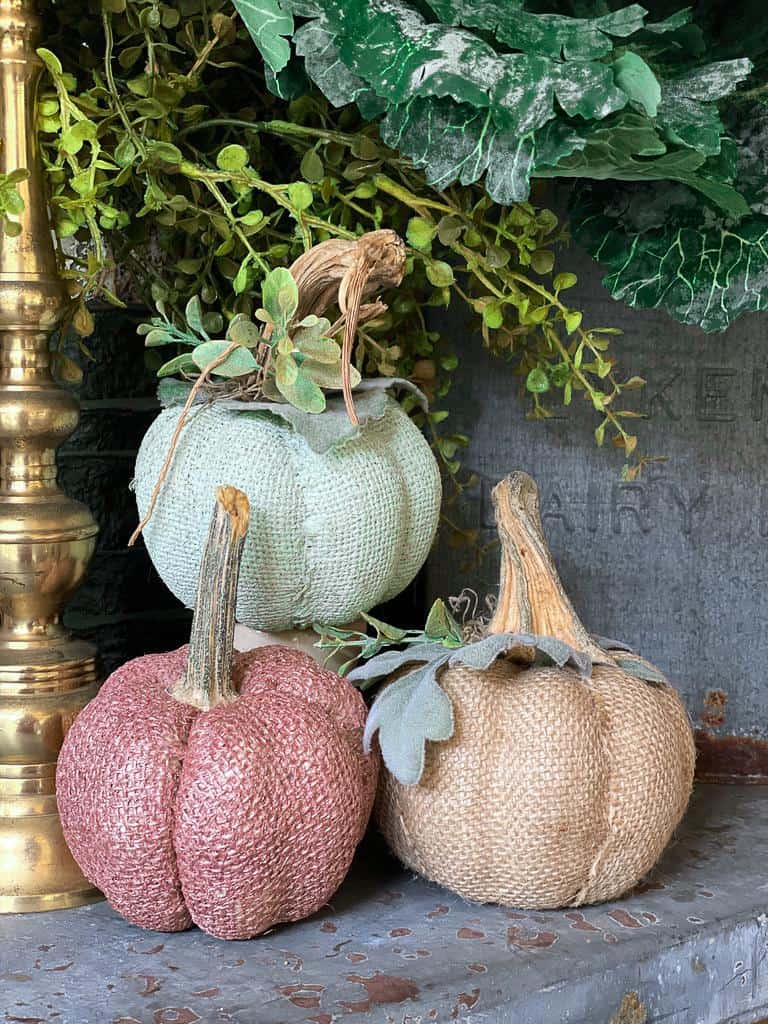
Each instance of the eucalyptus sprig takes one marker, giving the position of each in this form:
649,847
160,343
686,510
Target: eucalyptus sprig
441,628
299,359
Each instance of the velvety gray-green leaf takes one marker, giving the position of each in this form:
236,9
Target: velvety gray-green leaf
641,670
387,662
406,714
483,653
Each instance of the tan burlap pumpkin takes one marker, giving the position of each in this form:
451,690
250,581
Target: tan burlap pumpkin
555,789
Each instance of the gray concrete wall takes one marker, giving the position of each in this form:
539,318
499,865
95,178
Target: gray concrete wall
675,564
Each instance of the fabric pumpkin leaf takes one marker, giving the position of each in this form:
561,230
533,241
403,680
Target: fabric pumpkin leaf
483,653
387,662
641,669
406,714
611,645
268,24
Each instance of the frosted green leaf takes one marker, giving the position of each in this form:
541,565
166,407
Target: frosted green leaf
315,43
688,111
268,24
551,34
670,247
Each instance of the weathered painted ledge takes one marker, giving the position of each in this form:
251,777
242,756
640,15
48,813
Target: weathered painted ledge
691,942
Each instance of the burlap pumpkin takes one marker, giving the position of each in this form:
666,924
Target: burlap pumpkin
555,789
342,514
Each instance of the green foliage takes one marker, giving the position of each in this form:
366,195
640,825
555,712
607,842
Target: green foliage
506,93
11,202
168,157
670,247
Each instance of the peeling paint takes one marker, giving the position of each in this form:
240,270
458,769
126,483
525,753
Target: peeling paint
532,940
465,1001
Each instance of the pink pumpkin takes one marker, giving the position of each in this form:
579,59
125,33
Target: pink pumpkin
228,791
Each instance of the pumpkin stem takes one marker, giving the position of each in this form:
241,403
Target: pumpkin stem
531,594
207,679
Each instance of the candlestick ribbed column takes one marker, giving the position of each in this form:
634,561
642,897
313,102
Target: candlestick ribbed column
46,539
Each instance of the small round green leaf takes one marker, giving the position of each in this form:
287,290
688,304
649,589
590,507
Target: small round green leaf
232,158
537,381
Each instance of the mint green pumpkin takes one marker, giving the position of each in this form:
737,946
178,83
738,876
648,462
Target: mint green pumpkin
335,529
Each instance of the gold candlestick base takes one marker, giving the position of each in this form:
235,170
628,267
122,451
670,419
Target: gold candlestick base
46,539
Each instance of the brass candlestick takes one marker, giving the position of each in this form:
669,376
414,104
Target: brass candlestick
46,540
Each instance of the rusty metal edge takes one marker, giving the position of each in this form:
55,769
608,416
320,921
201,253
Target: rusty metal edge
731,759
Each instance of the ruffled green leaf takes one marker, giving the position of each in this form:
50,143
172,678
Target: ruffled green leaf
670,247
268,24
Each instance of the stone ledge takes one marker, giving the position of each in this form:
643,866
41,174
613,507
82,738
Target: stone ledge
391,949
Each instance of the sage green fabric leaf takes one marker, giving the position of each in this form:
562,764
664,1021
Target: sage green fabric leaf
688,111
320,350
483,653
635,78
178,364
237,364
268,24
406,714
611,645
315,44
280,295
388,662
329,375
642,669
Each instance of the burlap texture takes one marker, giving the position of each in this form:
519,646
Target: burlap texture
236,818
331,534
553,791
